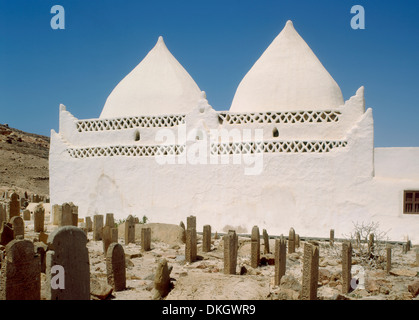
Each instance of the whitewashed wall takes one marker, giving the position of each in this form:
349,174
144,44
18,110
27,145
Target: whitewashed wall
312,192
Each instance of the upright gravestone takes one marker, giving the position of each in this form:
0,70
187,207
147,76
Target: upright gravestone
38,218
68,250
66,215
297,241
206,238
20,272
26,215
332,237
191,222
230,252
41,248
182,225
191,239
97,227
162,280
6,233
310,272
280,259
346,266
57,212
13,206
145,239
266,248
109,220
106,238
388,264
255,248
74,215
291,241
18,227
115,266
114,234
129,230
89,224
190,245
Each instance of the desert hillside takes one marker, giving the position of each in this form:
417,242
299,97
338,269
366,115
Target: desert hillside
23,161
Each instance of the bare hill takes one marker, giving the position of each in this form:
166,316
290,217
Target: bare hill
23,161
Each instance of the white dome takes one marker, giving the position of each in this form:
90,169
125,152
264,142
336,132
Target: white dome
287,77
158,85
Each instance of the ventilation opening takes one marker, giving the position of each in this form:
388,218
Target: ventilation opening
137,136
275,133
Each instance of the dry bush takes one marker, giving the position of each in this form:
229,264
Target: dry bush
373,256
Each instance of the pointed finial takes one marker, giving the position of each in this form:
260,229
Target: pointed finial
160,41
289,23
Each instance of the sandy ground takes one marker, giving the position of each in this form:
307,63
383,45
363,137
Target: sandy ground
205,280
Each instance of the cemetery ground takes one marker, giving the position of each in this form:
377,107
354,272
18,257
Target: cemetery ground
204,279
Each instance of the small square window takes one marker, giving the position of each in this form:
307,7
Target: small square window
411,202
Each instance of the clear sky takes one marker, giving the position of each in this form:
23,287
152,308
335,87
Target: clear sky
216,41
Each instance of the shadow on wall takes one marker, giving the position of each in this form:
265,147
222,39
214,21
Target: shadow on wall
106,197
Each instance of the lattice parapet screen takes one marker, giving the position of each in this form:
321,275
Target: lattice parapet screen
276,147
215,149
128,123
279,117
133,151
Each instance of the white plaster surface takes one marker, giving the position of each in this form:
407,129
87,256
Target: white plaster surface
158,85
399,163
288,76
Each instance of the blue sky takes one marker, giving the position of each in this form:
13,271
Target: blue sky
216,41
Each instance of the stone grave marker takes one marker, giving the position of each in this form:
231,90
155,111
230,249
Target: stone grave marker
21,272
68,250
310,272
97,227
18,226
255,248
115,266
280,259
129,230
206,238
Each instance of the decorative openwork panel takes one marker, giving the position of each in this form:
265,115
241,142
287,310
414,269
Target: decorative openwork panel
215,149
128,123
276,147
279,117
133,151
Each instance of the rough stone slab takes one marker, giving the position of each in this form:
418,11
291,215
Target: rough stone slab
20,272
115,266
68,249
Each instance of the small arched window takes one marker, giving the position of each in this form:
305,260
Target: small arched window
275,133
137,135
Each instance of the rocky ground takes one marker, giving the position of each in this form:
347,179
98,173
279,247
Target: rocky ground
205,280
23,161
